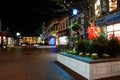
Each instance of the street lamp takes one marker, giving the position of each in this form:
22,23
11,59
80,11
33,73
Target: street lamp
74,11
18,35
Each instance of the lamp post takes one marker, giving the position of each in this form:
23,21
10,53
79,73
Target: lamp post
18,35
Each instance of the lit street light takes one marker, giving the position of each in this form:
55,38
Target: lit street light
18,35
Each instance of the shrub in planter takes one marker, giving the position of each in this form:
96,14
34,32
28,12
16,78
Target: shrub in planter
94,56
81,47
106,56
73,51
88,46
81,54
87,54
114,47
61,48
100,46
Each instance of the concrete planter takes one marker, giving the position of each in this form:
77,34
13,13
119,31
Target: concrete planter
91,69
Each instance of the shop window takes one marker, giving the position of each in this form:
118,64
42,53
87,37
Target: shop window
112,5
63,40
110,35
117,34
113,31
117,27
110,28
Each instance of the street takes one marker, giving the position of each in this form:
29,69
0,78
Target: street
30,63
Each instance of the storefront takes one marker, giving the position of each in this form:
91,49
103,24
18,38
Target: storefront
111,24
63,37
113,30
63,40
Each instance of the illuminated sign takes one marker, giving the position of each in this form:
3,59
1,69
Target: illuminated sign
52,41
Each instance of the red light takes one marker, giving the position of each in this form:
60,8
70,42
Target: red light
92,31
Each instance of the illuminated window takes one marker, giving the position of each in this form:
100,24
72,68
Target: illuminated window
110,34
63,40
110,28
117,26
113,31
112,5
117,34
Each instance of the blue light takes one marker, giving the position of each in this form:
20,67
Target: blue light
52,41
74,11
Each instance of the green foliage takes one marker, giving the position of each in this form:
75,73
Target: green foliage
114,47
61,48
81,54
73,51
75,39
87,54
88,46
81,47
94,56
106,56
100,46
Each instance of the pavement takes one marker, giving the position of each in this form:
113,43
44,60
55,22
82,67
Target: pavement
28,63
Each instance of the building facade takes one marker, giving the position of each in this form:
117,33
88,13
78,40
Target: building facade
109,17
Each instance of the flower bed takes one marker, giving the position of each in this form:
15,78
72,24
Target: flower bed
90,68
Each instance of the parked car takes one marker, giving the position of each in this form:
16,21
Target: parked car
25,44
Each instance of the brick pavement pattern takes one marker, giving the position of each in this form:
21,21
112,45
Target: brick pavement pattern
27,63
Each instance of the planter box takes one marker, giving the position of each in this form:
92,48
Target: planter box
88,68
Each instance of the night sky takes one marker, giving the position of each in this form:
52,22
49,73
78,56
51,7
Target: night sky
26,18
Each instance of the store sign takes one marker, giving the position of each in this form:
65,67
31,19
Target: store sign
52,41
